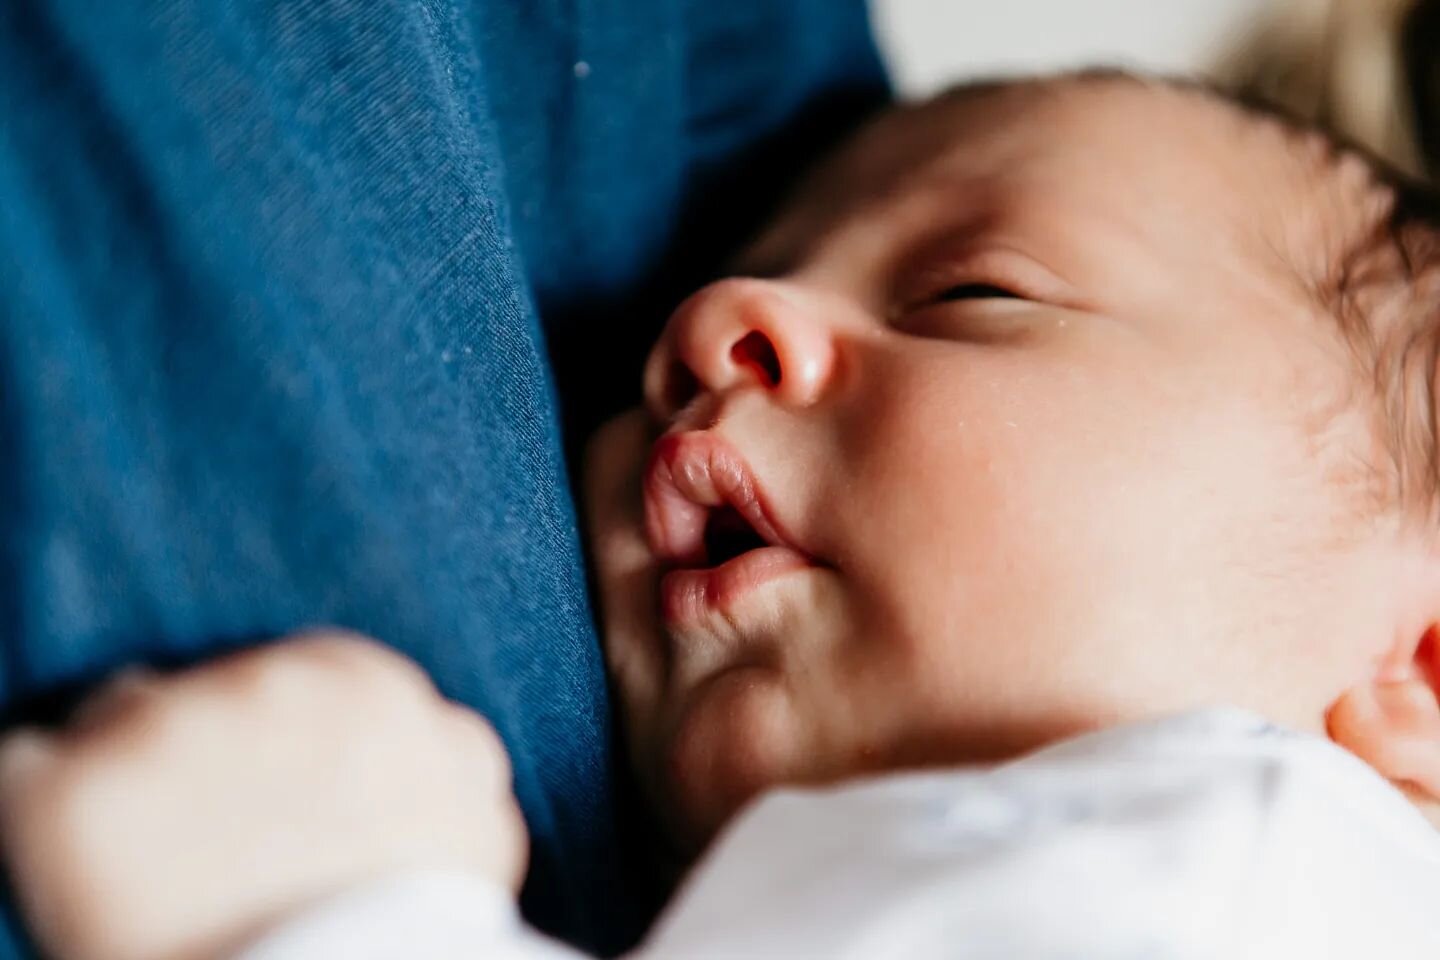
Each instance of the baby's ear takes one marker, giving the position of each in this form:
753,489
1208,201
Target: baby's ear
1392,719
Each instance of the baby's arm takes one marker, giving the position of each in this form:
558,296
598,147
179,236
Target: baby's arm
183,817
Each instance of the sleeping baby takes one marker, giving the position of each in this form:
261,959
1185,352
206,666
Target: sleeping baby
1070,444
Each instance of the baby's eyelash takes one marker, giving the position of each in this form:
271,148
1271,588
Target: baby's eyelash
976,291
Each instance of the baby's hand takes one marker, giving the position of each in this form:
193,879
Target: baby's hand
177,817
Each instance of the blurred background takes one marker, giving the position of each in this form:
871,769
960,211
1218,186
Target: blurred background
1368,69
930,43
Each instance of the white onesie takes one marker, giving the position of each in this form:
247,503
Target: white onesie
1212,834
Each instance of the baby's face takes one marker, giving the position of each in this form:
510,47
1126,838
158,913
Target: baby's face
1037,436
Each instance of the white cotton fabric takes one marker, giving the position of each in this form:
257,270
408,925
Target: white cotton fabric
1206,835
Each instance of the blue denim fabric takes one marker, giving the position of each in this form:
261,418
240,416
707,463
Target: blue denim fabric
276,281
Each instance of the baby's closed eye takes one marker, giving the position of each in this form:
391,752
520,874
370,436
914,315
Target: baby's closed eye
976,291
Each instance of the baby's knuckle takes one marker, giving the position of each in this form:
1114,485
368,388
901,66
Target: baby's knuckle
132,698
27,756
255,680
55,821
30,806
476,734
329,648
362,658
131,728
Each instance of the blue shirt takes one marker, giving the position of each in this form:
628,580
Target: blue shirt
288,290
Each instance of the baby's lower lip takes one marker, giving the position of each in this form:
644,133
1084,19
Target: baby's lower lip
689,596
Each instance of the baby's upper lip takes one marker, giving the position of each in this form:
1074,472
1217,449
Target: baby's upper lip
690,474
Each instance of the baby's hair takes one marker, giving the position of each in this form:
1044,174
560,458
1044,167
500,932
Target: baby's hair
1367,72
1382,287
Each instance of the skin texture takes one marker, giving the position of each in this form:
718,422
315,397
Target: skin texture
1139,482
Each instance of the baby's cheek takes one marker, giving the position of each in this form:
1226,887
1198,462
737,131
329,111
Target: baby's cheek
740,735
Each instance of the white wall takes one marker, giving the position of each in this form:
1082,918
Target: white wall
932,42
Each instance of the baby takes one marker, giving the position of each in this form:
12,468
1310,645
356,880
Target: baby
1061,404
1046,411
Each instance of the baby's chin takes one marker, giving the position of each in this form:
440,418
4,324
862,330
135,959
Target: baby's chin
735,739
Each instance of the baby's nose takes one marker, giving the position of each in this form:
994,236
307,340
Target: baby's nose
740,333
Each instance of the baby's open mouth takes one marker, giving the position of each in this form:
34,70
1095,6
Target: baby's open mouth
727,535
703,505
708,525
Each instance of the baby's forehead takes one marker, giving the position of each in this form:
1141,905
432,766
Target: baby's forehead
1179,171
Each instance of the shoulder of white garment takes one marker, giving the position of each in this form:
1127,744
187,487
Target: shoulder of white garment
1206,834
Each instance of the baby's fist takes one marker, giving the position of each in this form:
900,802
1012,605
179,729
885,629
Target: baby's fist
177,817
